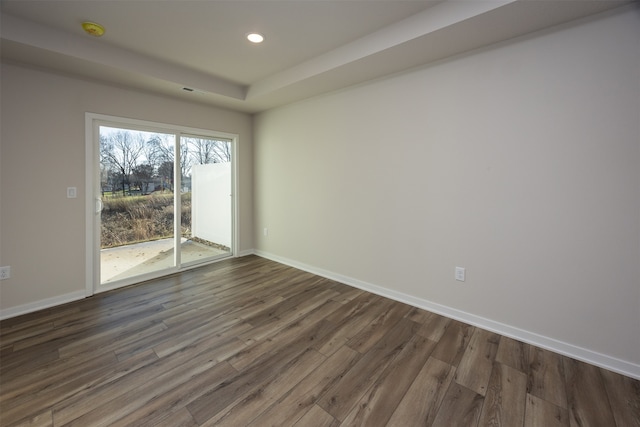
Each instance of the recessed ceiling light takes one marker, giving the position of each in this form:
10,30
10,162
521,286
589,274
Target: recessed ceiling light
92,28
255,37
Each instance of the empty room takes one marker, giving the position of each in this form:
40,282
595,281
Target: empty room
320,213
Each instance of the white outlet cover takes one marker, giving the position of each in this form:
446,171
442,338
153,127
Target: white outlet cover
460,273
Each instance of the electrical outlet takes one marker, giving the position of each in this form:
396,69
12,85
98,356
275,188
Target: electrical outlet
5,272
460,273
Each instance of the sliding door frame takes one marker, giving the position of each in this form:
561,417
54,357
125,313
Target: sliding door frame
92,185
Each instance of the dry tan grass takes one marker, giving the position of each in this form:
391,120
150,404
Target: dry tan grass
133,219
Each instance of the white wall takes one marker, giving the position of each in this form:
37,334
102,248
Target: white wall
42,233
210,202
520,162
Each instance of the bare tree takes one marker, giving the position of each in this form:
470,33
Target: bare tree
185,161
120,152
165,173
159,150
222,151
132,157
204,150
142,176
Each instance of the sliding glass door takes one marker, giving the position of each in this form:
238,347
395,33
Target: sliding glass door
163,200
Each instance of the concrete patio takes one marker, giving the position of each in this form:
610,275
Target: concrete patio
140,258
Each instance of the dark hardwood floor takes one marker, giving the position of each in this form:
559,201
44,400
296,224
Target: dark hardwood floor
250,342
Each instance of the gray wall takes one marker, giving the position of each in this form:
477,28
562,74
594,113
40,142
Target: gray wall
43,152
520,162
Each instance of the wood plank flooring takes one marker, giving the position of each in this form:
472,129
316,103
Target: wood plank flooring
250,342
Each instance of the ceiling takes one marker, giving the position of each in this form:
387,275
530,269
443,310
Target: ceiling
311,46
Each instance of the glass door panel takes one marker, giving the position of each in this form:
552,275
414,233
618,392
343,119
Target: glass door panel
137,180
206,198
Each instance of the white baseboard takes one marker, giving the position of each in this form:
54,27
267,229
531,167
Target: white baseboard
607,362
245,253
73,296
42,304
602,360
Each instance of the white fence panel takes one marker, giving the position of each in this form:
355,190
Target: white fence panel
211,202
